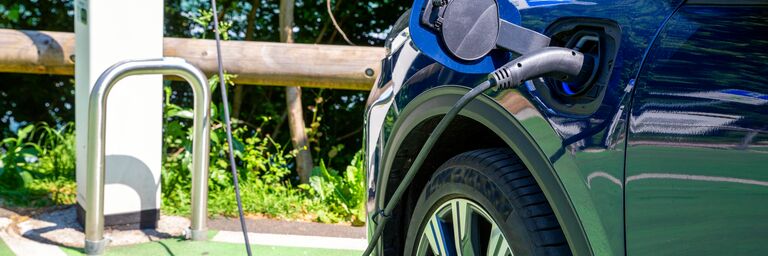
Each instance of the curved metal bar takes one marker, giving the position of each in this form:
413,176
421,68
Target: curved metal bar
97,119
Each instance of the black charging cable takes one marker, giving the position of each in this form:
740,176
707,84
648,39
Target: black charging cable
561,63
228,123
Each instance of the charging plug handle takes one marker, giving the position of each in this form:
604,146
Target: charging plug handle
557,62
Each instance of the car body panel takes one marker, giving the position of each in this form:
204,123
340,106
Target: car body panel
696,181
586,152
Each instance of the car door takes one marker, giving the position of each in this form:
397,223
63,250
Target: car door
696,178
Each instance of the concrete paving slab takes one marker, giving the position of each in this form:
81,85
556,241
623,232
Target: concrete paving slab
340,243
270,226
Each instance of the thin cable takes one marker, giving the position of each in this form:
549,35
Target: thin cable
441,126
225,102
336,25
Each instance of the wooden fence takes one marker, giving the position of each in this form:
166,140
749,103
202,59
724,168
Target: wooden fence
256,63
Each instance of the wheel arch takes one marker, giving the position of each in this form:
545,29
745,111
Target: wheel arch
483,122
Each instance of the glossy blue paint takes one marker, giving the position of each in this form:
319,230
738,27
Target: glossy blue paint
586,151
696,181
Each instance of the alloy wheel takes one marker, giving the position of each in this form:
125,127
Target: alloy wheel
463,228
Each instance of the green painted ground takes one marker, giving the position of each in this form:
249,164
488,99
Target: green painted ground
182,247
177,246
4,250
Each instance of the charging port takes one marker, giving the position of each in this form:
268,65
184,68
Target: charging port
587,43
597,39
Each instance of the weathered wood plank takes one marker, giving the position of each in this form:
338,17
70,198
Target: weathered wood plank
37,52
257,63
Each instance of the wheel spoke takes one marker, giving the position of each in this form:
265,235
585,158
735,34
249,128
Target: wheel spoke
497,245
424,246
462,227
436,236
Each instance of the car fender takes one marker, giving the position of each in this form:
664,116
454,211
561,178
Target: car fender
487,111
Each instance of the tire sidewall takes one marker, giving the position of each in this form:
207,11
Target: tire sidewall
476,184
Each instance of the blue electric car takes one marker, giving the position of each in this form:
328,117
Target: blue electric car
660,148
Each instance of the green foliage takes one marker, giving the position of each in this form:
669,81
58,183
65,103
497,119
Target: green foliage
37,166
268,185
343,193
34,14
204,19
38,169
365,22
18,152
266,181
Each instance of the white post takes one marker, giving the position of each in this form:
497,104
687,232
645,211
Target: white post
108,31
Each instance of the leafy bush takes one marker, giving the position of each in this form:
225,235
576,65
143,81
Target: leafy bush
37,166
343,193
18,152
268,185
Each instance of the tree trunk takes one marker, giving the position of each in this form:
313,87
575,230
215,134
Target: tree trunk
238,95
293,101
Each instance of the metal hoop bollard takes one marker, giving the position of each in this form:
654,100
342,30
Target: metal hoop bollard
95,242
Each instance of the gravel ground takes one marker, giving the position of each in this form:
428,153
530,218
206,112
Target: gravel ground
58,226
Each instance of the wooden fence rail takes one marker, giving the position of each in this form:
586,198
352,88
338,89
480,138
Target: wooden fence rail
257,63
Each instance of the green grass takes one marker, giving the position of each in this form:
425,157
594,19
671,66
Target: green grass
183,247
4,250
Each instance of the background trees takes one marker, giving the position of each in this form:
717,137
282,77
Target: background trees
337,113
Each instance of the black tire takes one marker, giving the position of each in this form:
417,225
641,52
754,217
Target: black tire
497,181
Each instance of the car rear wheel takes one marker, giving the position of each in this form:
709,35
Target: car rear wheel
484,202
